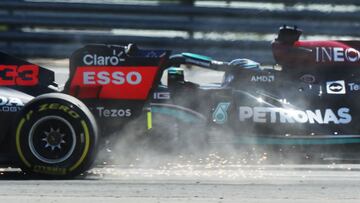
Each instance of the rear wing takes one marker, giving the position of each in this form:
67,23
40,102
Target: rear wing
115,72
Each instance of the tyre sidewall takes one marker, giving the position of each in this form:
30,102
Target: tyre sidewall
74,113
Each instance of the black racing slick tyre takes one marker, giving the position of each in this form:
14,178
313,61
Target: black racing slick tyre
55,137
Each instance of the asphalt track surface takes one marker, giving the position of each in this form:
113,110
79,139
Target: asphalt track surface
212,177
192,183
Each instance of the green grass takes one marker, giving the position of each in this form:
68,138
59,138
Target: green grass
3,28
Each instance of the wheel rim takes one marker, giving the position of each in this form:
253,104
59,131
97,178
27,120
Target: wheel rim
52,139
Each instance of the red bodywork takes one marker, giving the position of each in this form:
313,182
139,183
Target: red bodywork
317,53
113,82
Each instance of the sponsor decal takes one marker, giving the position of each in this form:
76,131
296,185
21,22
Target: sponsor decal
113,113
308,78
99,60
336,87
60,107
10,104
25,75
116,78
354,86
220,115
281,115
113,82
337,54
161,95
262,78
52,170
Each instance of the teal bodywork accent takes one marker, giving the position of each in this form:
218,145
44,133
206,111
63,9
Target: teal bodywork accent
177,113
197,56
176,71
296,141
220,115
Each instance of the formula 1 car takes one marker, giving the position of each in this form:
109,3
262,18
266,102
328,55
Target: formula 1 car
307,99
